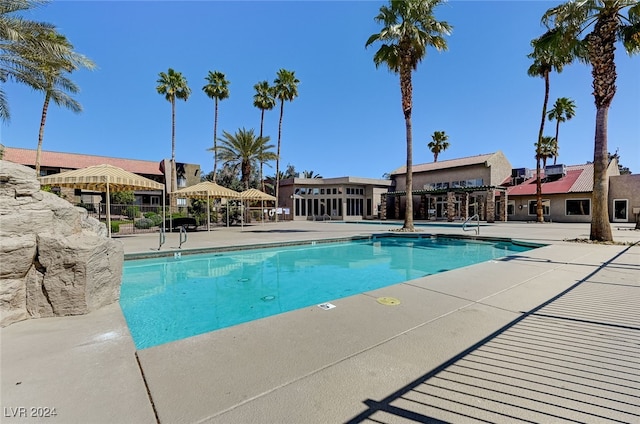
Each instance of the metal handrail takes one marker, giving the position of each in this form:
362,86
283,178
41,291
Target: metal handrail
183,231
477,229
163,238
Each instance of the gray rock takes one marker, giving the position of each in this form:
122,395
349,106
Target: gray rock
55,260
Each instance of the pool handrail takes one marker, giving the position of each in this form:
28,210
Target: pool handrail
183,231
477,229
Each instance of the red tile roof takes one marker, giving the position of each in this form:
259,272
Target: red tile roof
579,179
78,161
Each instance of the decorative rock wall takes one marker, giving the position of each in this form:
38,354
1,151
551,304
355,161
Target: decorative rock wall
55,260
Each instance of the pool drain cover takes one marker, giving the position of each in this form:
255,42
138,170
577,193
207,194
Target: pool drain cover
389,301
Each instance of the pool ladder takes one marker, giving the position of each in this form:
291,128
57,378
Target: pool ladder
163,238
477,229
183,236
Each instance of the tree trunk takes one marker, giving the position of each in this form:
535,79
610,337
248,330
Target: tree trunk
539,210
43,119
555,154
261,151
601,47
406,90
174,177
215,141
277,179
600,226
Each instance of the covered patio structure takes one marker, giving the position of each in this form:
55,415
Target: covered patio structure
489,202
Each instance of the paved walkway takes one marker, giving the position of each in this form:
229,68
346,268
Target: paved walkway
550,335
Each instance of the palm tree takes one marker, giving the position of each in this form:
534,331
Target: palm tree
173,86
217,88
18,39
263,100
547,57
310,174
563,110
546,149
608,25
409,27
49,73
439,144
285,88
243,150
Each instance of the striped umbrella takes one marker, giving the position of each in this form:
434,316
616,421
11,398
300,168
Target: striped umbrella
103,178
207,190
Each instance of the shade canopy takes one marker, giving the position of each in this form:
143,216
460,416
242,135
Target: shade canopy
98,177
207,189
104,178
255,194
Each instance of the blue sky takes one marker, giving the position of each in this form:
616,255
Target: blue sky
347,119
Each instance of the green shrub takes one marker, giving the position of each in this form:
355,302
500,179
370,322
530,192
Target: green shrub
154,217
132,212
115,227
144,223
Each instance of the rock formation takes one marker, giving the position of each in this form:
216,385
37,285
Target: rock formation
55,260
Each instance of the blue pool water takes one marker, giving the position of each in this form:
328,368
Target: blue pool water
167,299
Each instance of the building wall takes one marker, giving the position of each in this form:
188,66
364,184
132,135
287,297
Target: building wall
624,187
557,208
339,198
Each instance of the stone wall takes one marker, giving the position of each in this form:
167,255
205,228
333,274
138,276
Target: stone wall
55,260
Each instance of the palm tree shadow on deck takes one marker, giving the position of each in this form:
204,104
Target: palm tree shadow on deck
574,357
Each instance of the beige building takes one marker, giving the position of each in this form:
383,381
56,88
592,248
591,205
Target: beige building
452,189
56,162
343,198
567,194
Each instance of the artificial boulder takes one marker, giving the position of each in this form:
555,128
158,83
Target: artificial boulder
55,260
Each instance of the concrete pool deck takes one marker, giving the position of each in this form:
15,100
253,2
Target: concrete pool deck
549,335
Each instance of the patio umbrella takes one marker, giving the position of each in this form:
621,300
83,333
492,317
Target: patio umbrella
255,194
104,178
207,190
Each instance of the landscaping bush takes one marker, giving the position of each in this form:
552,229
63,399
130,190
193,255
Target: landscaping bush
154,217
144,223
132,212
115,227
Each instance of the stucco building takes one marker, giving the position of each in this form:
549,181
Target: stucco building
452,189
342,198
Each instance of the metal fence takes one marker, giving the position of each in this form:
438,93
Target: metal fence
135,219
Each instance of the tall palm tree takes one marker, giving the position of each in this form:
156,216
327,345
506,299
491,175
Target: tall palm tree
217,88
263,100
547,57
439,144
285,88
17,39
50,72
546,148
608,24
244,150
563,110
310,174
409,27
173,86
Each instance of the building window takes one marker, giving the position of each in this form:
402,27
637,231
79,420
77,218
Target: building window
155,200
181,202
620,209
578,207
546,206
511,207
182,182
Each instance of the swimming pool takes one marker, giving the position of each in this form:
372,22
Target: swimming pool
167,299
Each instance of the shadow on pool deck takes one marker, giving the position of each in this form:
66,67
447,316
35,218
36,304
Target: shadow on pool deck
547,365
459,348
